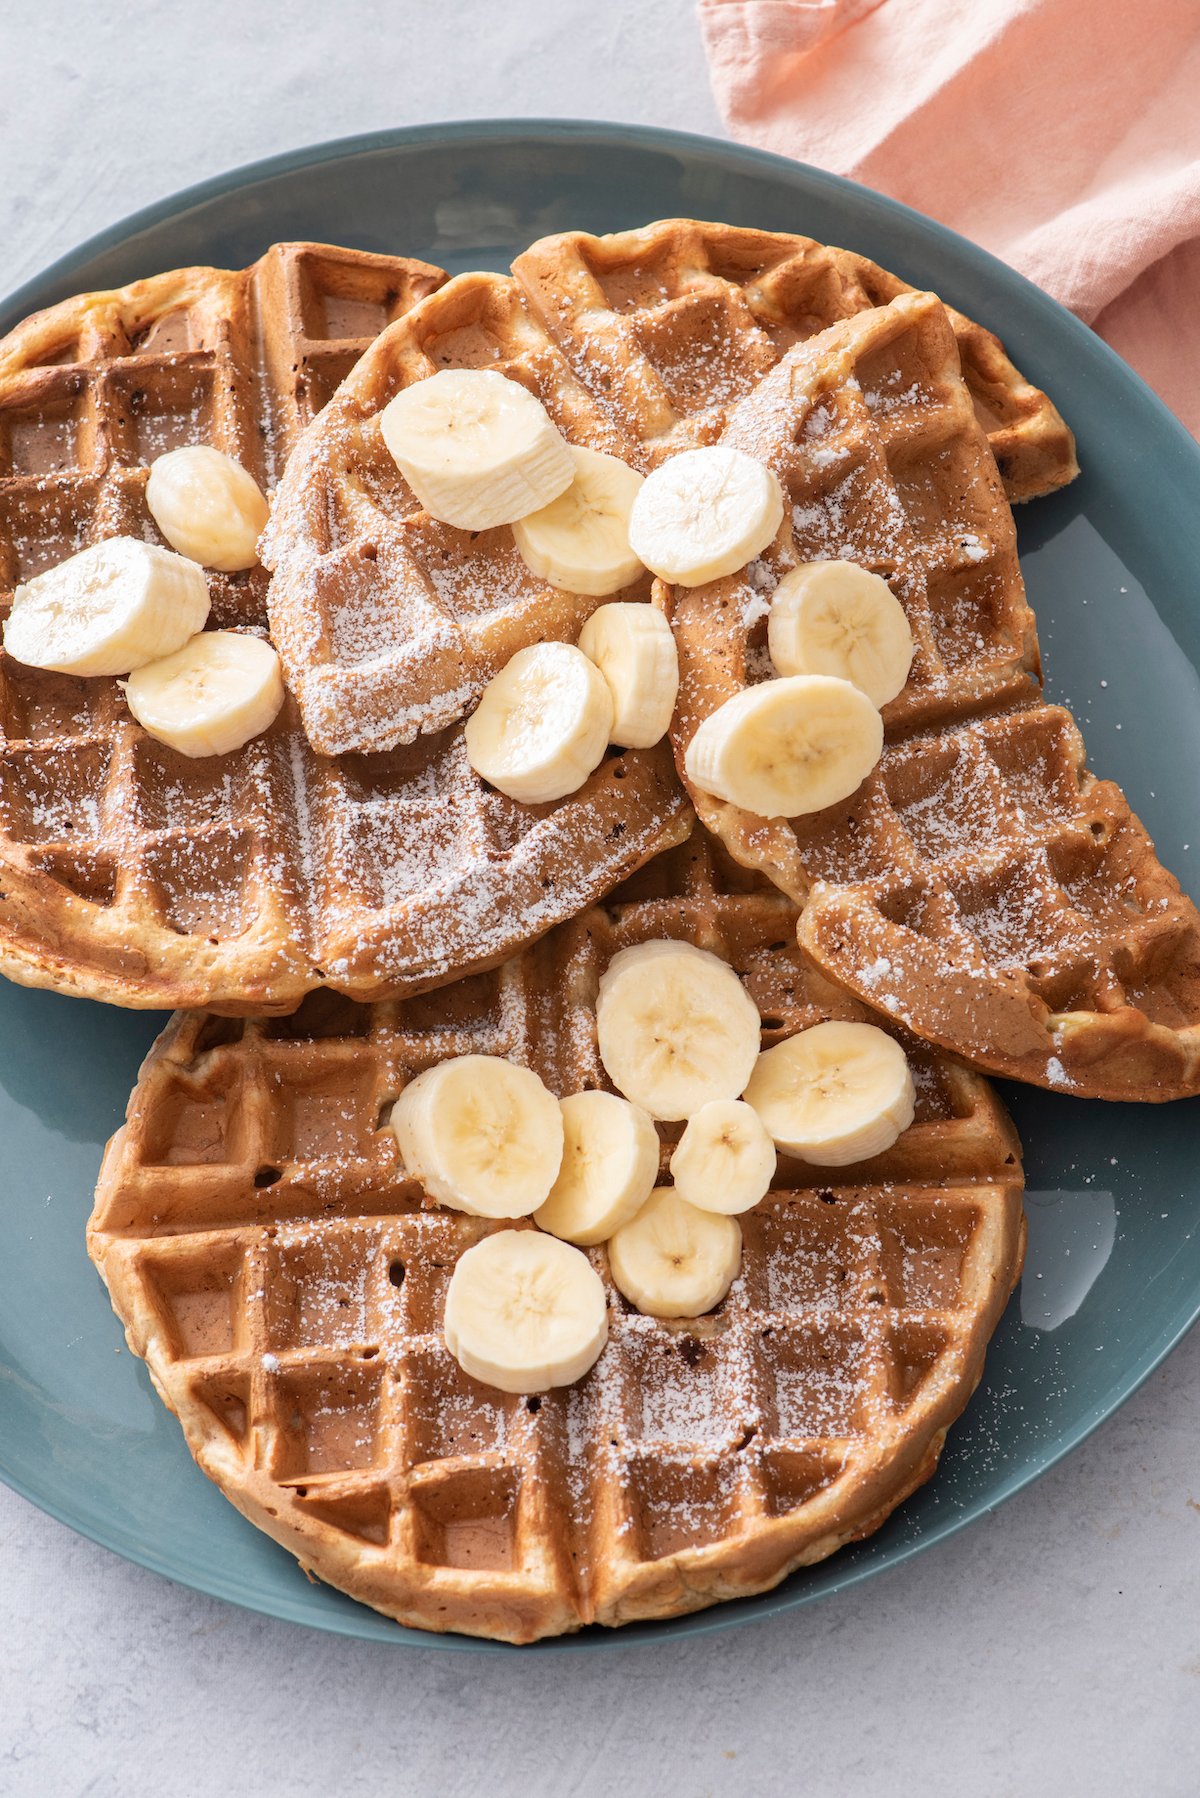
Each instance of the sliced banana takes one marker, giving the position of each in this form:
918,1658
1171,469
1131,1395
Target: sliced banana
787,747
837,618
476,448
481,1135
675,1027
674,1260
207,506
580,541
609,1166
525,1312
211,696
108,609
834,1094
542,724
633,647
704,514
725,1159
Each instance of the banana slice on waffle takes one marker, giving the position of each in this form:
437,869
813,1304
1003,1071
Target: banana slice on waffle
470,1434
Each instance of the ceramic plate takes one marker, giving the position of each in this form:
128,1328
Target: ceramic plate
1112,1278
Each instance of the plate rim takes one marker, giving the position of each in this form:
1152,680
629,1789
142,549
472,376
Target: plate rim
607,134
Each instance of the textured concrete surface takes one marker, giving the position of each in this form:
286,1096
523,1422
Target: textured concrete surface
1054,1649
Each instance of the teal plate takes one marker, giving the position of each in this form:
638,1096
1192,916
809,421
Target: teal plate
1112,1278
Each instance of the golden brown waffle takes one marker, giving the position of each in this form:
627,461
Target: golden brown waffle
671,324
285,1284
133,874
389,623
981,886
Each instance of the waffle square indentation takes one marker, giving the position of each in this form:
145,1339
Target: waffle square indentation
327,1417
466,1518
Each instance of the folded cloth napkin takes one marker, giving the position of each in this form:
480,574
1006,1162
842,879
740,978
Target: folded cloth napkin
1064,135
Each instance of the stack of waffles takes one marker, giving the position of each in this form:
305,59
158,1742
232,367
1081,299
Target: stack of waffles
345,903
142,877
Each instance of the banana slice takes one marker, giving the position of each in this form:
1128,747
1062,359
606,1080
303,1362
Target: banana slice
725,1159
525,1312
837,618
476,448
787,747
108,609
609,1166
675,1027
633,647
207,506
542,724
704,514
834,1094
580,541
211,696
673,1260
481,1135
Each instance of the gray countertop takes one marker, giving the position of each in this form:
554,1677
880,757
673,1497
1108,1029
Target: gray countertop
1053,1649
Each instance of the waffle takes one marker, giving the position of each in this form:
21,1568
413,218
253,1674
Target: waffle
133,874
389,624
285,1284
671,324
982,886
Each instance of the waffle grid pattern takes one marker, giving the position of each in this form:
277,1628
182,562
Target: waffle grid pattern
133,874
673,324
286,1286
980,886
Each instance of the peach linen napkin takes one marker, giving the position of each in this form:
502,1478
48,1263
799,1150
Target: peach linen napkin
1063,135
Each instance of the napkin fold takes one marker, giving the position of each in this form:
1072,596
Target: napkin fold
1063,135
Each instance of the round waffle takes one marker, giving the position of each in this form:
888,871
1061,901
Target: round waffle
390,623
981,887
129,872
285,1284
